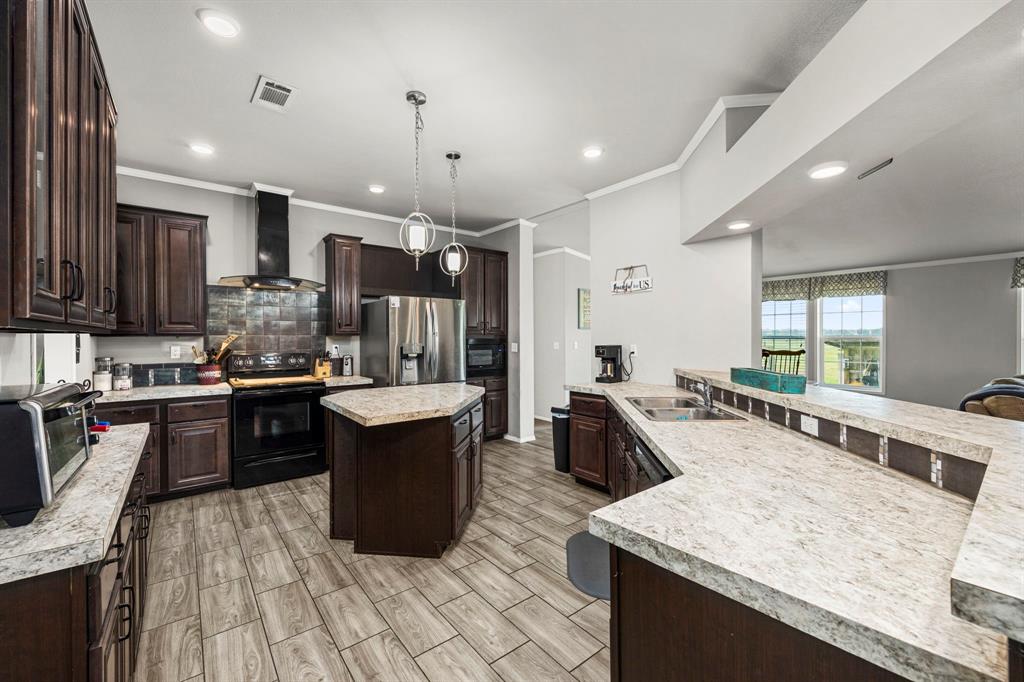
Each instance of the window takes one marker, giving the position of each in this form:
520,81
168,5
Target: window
784,326
851,342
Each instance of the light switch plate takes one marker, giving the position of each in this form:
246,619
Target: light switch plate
809,425
513,347
556,345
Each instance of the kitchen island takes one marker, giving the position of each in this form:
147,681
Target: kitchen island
787,556
405,466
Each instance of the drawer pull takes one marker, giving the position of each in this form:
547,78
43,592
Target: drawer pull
118,557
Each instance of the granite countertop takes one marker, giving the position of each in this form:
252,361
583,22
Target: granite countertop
393,404
850,552
77,528
355,380
988,577
164,393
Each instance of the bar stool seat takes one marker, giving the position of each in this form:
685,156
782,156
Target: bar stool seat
588,562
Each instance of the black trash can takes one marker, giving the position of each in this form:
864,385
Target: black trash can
560,434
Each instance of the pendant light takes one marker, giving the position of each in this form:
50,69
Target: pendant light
417,232
454,257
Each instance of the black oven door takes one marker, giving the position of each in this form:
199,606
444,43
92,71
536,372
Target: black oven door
278,419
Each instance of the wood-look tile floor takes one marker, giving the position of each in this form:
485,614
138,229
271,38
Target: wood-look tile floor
247,585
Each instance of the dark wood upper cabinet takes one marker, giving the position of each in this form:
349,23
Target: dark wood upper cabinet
485,289
179,274
496,292
198,454
131,245
473,293
160,285
55,218
343,265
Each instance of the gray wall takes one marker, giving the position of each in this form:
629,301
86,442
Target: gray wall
557,276
568,226
706,298
949,330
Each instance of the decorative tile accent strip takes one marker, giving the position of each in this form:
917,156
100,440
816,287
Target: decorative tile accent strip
910,459
962,476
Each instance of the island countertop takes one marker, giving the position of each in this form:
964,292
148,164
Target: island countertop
77,528
848,551
393,404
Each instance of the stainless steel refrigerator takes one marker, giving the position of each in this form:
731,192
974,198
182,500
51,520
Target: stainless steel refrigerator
410,340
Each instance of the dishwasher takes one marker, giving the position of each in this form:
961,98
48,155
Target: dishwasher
654,471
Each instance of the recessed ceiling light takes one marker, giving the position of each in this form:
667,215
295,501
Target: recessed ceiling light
829,169
739,225
201,148
218,23
377,189
593,152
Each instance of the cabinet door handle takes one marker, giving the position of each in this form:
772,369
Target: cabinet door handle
131,613
174,438
71,286
81,281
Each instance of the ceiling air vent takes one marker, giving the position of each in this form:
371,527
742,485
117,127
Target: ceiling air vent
272,95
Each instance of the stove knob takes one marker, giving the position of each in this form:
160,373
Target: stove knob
249,362
291,359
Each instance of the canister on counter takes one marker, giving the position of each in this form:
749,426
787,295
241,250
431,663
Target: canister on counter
123,376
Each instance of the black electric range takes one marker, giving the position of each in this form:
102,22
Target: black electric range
277,418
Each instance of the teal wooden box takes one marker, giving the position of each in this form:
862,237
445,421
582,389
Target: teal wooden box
768,381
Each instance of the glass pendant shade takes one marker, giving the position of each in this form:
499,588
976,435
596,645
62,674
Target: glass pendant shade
453,261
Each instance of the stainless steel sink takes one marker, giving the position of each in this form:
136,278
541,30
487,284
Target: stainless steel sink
644,403
680,410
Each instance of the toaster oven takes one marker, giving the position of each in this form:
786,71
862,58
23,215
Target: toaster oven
46,441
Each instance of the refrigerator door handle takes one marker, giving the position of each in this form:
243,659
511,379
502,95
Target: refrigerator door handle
437,339
428,343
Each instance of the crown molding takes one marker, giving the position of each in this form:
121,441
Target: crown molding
562,249
1009,255
723,103
260,187
304,203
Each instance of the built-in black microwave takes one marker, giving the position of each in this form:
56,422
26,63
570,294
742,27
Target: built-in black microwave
485,357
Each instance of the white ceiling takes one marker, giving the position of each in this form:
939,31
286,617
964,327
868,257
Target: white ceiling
519,87
955,188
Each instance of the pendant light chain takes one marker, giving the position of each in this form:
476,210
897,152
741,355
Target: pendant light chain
454,257
454,173
416,166
417,233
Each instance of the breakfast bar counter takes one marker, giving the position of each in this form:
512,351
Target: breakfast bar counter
405,466
830,543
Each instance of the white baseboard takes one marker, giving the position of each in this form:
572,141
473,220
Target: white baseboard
514,439
543,418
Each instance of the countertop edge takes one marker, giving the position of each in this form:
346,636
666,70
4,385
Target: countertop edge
173,391
819,622
80,553
977,595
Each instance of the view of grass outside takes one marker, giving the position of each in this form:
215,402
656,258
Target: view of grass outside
784,327
851,338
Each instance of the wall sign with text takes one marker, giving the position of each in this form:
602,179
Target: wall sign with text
632,279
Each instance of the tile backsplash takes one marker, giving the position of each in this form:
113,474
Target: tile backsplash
267,321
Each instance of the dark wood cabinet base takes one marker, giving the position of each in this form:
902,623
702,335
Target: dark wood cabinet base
665,627
405,488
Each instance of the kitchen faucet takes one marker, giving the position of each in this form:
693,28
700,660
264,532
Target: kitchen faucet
704,390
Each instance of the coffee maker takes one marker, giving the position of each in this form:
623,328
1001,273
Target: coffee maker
611,364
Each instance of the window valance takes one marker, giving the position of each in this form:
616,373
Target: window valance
1018,274
829,286
798,289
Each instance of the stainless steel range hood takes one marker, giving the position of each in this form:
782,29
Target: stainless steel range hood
272,272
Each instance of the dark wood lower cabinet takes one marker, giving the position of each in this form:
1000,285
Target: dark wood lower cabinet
588,457
407,488
495,403
82,624
665,627
190,447
198,454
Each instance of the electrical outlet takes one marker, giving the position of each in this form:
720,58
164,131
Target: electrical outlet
575,345
513,347
175,352
556,345
632,349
